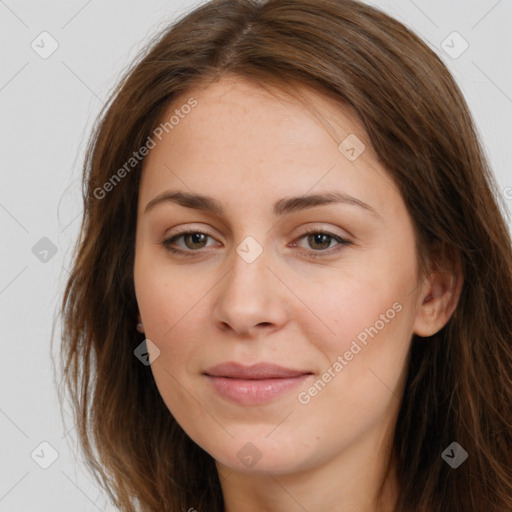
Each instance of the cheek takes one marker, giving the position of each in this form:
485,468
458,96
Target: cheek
376,299
168,299
170,306
353,308
371,313
360,382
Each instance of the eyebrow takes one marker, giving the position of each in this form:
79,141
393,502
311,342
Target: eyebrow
281,207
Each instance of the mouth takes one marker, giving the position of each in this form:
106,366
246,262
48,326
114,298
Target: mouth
256,384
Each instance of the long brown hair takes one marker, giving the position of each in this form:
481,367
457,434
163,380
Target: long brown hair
459,381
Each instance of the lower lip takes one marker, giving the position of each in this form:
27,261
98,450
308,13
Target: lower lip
250,392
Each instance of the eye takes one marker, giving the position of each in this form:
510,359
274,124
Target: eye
193,240
320,241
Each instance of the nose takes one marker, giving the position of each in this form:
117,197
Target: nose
251,298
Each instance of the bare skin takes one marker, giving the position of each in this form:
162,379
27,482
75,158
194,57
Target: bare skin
301,304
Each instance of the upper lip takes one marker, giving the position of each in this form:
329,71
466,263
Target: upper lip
257,371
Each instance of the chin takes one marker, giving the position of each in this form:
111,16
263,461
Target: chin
253,454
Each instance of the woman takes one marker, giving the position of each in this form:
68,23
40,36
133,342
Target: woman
293,284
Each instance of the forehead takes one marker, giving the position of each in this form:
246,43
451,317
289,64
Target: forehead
260,142
236,102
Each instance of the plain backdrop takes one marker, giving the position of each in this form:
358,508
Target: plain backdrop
47,108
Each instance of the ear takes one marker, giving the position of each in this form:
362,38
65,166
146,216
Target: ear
439,296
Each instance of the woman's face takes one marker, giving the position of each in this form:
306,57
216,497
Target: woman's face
298,277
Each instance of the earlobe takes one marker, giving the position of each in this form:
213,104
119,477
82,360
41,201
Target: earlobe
140,326
439,298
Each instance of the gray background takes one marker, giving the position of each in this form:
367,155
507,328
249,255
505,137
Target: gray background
47,108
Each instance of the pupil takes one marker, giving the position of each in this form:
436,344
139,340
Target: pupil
321,239
196,238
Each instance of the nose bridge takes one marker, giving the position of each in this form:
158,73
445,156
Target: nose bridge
249,269
250,294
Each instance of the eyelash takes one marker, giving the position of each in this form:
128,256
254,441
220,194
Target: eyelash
311,231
